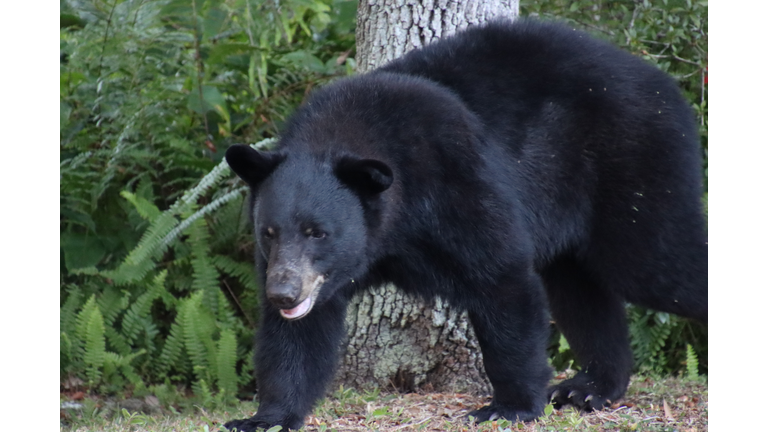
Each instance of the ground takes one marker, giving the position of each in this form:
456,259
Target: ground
668,404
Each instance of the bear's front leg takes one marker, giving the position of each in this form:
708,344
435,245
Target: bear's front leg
295,362
510,323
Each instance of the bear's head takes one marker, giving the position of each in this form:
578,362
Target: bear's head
311,216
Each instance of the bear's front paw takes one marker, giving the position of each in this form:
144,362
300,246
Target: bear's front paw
244,425
585,393
495,411
261,422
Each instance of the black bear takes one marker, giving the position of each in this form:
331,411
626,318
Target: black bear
516,170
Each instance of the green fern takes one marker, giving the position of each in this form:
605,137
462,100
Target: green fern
201,390
204,273
207,209
95,347
117,341
225,315
650,334
230,222
68,311
171,355
144,207
198,327
691,362
137,316
112,302
226,359
82,320
135,180
242,271
138,263
65,352
166,227
116,362
193,345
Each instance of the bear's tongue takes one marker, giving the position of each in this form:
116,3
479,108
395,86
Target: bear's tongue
298,311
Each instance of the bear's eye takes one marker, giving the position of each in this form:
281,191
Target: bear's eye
268,233
314,233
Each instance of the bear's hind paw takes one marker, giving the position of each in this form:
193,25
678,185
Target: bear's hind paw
583,394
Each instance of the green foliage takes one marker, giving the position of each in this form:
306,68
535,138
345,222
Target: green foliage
157,282
691,362
90,330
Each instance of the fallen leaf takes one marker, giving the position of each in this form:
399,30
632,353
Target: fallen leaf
667,411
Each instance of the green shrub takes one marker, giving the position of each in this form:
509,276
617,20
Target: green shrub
156,271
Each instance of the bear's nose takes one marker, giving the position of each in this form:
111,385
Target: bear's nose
283,297
283,288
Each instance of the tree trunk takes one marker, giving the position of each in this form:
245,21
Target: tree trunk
394,340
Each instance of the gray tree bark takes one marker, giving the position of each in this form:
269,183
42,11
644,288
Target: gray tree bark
394,340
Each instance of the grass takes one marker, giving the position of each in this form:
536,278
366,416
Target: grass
666,404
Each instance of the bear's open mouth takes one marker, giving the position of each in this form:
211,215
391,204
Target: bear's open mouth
305,306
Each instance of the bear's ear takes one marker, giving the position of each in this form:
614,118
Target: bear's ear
369,176
252,165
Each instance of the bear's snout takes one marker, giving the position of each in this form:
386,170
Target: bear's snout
284,289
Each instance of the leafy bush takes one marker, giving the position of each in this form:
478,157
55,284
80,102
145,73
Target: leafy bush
156,272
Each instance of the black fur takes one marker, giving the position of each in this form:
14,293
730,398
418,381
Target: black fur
507,169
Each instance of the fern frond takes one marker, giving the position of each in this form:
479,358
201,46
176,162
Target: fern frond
691,362
243,272
65,352
215,175
225,361
209,208
137,316
151,239
197,343
225,315
83,318
201,389
117,341
170,356
67,315
228,222
660,334
146,209
123,364
112,302
138,263
204,273
95,347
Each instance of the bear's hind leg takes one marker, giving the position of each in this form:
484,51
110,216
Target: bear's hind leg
594,323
